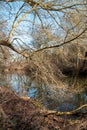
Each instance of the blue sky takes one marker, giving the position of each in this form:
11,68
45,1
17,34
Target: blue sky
24,29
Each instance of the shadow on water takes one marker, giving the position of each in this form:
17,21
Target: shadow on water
51,97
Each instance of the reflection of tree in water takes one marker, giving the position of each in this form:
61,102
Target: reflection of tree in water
50,96
20,83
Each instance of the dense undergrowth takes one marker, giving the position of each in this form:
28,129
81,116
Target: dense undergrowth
53,67
22,113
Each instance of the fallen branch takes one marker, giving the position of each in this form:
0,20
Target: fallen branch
66,113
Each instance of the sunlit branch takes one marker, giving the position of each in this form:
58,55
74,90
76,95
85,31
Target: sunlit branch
9,45
15,20
66,42
20,20
51,6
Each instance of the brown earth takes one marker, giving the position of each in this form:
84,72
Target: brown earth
22,113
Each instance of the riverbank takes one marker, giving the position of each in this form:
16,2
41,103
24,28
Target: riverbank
22,113
70,60
63,67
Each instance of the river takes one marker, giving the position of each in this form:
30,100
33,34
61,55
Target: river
53,98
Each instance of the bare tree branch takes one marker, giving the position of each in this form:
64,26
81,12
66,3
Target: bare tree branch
66,42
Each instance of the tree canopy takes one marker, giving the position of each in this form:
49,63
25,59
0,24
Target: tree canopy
37,25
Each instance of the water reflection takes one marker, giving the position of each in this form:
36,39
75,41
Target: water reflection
51,97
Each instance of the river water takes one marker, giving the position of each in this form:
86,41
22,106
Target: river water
53,98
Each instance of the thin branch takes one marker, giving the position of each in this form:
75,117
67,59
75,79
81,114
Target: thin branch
21,19
50,5
66,42
67,113
17,15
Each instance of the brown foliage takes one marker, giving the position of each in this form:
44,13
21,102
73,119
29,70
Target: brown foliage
18,113
51,67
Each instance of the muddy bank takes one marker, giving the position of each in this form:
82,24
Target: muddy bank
22,113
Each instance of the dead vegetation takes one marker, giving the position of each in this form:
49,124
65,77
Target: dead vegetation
51,67
17,113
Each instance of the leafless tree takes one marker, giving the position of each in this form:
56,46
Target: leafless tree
68,20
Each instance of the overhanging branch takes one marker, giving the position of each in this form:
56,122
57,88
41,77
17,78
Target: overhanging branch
9,45
66,42
50,6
